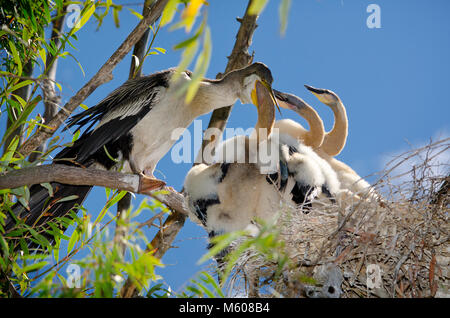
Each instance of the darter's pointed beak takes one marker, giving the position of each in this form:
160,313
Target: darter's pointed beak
265,101
324,95
271,94
290,101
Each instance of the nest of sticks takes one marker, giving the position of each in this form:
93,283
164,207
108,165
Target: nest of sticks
396,247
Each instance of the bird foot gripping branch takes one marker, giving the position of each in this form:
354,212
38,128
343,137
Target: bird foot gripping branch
148,184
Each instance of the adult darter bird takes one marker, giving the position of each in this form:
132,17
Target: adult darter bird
134,124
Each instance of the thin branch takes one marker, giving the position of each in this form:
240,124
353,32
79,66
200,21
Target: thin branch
103,75
175,221
51,99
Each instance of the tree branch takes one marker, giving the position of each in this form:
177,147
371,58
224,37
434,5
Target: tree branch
103,75
93,177
175,221
51,99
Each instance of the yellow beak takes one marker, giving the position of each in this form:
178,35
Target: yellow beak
272,95
320,93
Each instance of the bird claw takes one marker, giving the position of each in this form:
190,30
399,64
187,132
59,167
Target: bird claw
148,184
171,189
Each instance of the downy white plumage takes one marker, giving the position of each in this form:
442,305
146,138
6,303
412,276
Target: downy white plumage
352,185
228,196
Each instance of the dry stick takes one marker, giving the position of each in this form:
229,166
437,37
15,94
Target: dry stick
175,221
124,204
103,75
51,99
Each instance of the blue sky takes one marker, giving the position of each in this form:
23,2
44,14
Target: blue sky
393,81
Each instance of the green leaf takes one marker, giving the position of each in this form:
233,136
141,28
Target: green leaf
22,102
59,86
63,54
107,192
5,248
191,12
40,238
86,15
49,188
205,290
201,67
116,17
73,239
20,84
257,6
186,59
81,68
24,246
109,155
68,198
47,15
169,12
16,57
33,267
115,198
43,56
160,49
76,135
10,150
140,17
283,12
207,278
220,242
23,117
188,42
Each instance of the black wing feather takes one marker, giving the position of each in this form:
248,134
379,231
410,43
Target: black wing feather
92,141
91,144
129,91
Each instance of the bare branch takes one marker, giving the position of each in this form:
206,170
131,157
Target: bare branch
51,99
68,175
103,75
93,177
